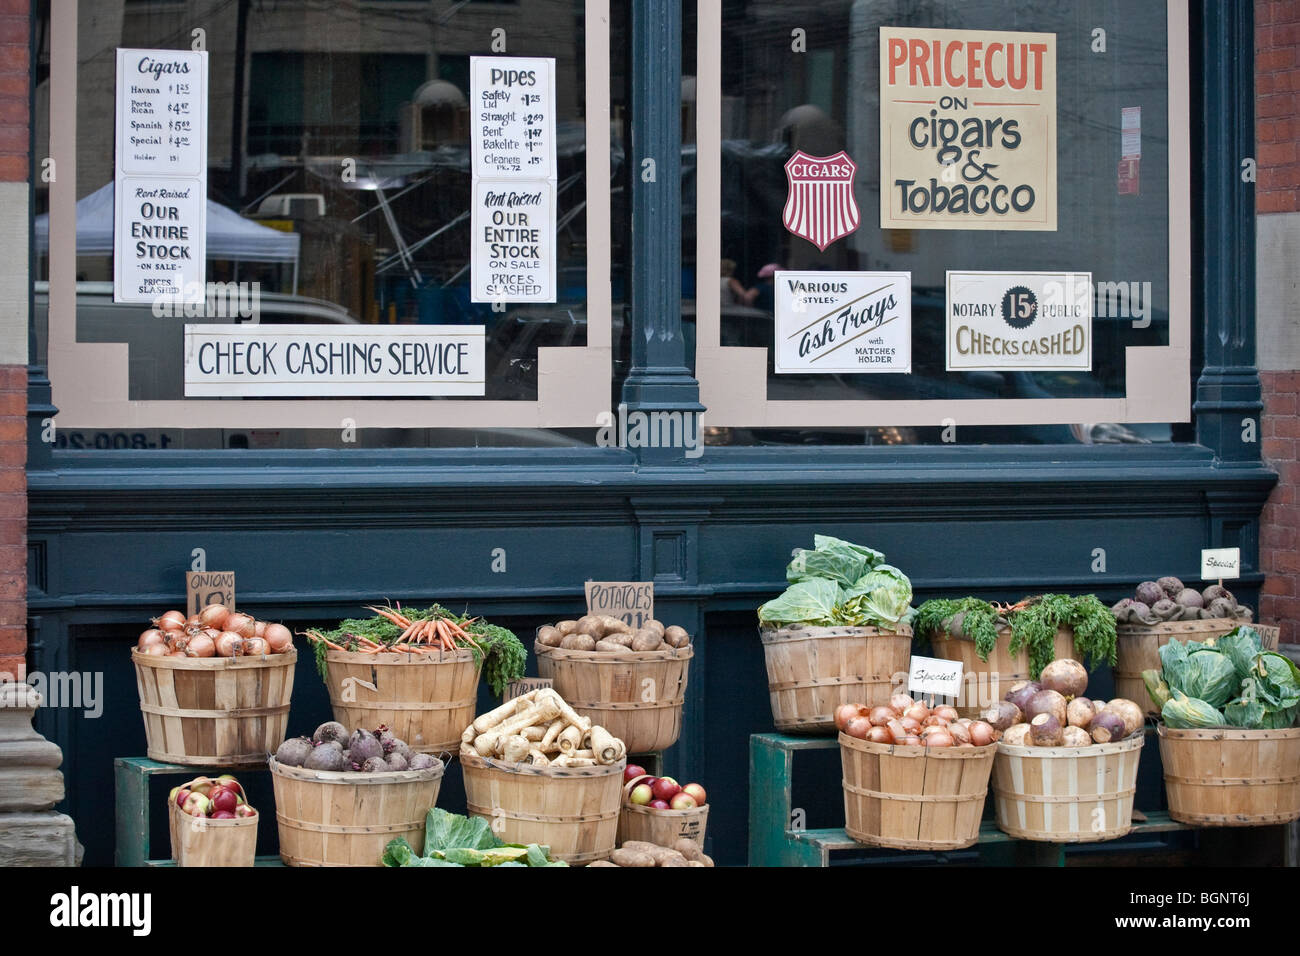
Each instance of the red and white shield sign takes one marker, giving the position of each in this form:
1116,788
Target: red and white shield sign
820,206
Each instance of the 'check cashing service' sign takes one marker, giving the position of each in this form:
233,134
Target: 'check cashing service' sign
1035,321
967,129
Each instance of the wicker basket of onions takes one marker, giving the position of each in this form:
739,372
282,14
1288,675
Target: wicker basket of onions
214,687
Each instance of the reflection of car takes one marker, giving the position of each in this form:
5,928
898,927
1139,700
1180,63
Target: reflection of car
157,343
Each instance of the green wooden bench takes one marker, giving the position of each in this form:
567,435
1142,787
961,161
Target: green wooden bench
776,839
131,776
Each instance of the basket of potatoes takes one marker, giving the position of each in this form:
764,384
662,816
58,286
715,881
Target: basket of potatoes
639,853
631,681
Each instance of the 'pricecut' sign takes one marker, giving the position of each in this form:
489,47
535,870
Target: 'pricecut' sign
967,129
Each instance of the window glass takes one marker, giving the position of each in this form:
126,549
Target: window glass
792,80
347,126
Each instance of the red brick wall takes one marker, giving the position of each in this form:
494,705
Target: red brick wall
15,120
1277,190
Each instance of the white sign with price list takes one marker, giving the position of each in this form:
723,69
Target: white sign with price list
160,190
931,677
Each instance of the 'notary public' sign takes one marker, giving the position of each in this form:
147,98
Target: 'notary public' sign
843,322
287,361
1040,321
967,129
161,183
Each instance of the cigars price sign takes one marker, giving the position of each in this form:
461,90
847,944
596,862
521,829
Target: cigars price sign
967,129
843,322
1034,321
160,190
512,142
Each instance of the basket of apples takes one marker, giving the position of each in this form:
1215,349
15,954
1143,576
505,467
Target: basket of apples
211,823
659,810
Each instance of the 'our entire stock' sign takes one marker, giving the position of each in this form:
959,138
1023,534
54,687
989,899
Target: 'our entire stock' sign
843,322
288,361
967,129
160,190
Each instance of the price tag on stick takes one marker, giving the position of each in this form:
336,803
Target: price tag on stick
931,677
1220,563
632,602
209,587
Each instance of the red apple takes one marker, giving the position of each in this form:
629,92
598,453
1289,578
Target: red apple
223,815
641,795
682,801
665,788
197,805
201,785
244,810
223,799
659,805
697,793
230,783
180,795
632,772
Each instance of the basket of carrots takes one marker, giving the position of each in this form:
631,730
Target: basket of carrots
414,671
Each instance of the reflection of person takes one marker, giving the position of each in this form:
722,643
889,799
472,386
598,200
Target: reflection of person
733,290
765,293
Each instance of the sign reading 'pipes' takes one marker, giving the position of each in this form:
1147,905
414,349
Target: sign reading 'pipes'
161,182
512,114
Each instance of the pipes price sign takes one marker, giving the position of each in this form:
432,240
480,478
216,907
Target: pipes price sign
161,176
967,129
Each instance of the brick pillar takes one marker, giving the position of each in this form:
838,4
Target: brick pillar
15,225
1277,204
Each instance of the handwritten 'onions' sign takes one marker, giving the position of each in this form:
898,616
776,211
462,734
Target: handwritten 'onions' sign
161,184
289,361
967,129
838,322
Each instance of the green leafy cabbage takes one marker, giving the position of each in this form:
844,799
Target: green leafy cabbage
839,582
453,840
881,596
813,602
1189,713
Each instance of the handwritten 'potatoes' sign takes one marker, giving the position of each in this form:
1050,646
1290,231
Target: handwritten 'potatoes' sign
632,602
836,322
967,129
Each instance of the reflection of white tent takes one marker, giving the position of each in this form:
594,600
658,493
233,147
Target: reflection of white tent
230,235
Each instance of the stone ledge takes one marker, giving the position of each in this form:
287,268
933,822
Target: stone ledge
38,839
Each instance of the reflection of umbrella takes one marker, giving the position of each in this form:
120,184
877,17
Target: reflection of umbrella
230,235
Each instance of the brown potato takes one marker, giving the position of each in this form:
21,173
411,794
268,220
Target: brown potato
688,848
608,863
594,630
625,857
622,638
675,860
611,646
588,621
694,863
566,627
613,624
706,860
549,636
653,625
640,846
663,856
676,636
578,642
645,641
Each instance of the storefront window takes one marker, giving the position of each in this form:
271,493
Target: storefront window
791,85
339,195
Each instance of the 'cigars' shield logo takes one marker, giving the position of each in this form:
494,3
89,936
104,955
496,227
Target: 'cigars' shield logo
820,206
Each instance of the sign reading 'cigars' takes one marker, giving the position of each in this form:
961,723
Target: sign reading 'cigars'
819,206
967,129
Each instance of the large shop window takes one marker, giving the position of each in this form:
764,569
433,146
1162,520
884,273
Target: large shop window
339,195
1077,109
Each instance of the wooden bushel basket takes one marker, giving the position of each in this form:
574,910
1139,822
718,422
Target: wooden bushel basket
424,699
661,827
914,798
1138,646
1067,794
986,682
338,818
214,711
573,810
611,688
1225,777
199,841
812,670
